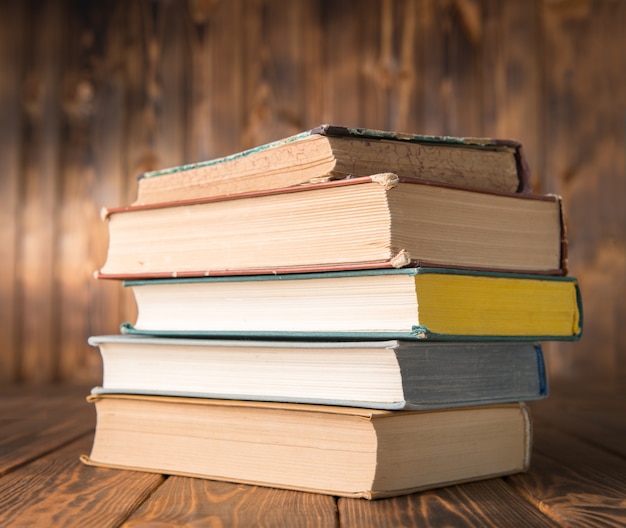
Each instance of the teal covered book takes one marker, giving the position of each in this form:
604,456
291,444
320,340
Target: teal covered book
390,375
330,152
407,303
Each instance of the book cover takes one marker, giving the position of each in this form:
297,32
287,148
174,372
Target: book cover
389,375
330,152
406,303
379,221
344,451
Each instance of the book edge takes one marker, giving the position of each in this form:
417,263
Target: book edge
329,130
365,494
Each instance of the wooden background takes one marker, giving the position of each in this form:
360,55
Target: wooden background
92,93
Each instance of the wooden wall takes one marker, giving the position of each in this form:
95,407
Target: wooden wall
94,92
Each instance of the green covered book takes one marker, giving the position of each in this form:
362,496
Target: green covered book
330,152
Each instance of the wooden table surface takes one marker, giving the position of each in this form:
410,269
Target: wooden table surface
577,477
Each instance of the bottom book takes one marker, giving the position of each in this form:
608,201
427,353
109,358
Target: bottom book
335,450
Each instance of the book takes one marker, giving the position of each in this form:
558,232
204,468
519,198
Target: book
345,451
406,303
371,222
330,152
389,375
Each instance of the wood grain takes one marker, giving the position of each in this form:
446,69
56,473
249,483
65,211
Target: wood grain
196,502
94,94
511,83
107,298
585,137
592,417
39,181
34,424
11,60
74,273
58,490
573,482
485,503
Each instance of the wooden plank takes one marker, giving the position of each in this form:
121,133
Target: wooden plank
216,35
484,503
389,64
585,71
342,98
314,79
272,76
12,39
110,178
74,273
451,35
594,417
36,309
573,482
58,490
185,502
512,78
37,423
170,62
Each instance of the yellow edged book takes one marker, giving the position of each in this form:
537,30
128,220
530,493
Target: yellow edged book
407,303
334,450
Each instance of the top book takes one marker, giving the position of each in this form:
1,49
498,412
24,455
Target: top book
330,152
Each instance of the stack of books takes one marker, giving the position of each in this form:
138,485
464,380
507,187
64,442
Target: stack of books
345,311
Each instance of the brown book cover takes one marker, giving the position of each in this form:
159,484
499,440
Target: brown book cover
360,223
330,152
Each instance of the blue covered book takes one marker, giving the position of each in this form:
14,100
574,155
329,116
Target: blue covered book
375,374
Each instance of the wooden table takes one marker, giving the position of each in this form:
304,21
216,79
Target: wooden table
577,477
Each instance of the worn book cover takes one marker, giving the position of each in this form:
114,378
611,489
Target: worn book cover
330,152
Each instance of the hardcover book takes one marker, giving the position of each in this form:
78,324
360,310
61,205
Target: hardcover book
332,152
407,303
369,222
376,374
346,451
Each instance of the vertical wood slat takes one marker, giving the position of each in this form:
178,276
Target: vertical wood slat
273,80
11,59
451,34
511,78
215,36
108,161
341,58
76,212
389,65
38,317
170,83
585,138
